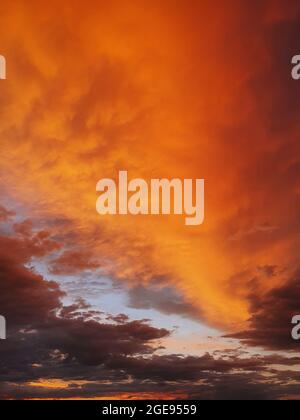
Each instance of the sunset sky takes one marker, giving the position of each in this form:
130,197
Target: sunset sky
139,307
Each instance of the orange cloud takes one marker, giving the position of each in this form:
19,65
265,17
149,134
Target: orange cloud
161,90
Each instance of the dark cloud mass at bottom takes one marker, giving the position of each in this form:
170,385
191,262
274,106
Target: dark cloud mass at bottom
51,342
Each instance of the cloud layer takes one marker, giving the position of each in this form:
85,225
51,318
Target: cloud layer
188,90
74,351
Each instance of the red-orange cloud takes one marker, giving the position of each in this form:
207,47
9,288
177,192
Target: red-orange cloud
162,90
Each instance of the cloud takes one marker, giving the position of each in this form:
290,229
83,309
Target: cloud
181,377
41,331
25,296
74,351
26,244
271,315
163,299
145,100
159,101
73,262
5,214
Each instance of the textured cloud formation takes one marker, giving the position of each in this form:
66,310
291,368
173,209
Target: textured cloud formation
42,333
73,351
159,101
163,299
271,315
190,90
73,262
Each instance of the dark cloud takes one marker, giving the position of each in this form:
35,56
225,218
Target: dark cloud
179,368
164,299
96,353
200,378
99,354
119,319
25,296
41,331
271,314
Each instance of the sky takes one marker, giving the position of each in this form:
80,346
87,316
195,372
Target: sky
139,307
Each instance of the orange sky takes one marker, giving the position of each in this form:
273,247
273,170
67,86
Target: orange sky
161,89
